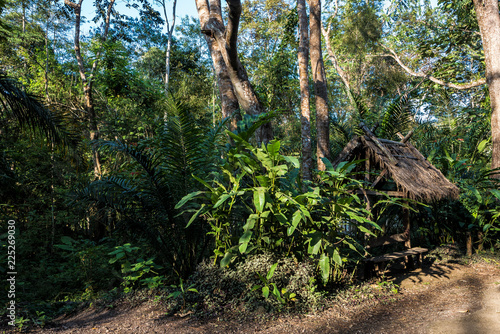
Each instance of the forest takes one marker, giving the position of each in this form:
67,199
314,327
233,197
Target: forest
198,161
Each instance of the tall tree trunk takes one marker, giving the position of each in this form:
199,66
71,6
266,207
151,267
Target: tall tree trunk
305,112
319,77
170,32
226,38
488,19
229,103
87,82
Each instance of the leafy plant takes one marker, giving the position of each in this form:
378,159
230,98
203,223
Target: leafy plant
256,204
21,322
182,291
40,319
159,174
138,272
282,296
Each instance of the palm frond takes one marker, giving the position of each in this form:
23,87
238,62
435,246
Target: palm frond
30,112
158,185
396,118
185,147
362,112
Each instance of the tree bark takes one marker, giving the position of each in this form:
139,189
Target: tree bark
212,25
229,103
305,112
319,77
488,19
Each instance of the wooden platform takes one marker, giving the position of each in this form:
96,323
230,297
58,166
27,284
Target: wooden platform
375,265
397,255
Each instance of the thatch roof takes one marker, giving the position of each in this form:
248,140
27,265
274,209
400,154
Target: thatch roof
414,176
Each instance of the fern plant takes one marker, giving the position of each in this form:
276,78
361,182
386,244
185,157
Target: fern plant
162,169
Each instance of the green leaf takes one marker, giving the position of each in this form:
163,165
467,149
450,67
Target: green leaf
200,211
281,218
259,198
482,145
315,243
227,258
188,197
337,258
257,287
67,240
297,217
244,240
270,273
324,265
293,160
174,294
250,222
221,200
265,292
273,147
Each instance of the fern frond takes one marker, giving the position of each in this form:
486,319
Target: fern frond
396,118
30,112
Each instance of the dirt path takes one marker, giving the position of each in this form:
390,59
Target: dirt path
442,299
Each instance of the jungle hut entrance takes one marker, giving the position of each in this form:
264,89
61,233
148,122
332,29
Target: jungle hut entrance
396,169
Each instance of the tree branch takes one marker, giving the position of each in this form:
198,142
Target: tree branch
408,70
232,30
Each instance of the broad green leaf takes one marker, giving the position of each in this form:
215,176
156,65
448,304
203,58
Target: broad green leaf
337,258
244,240
221,200
263,180
265,292
482,145
174,294
227,258
297,217
495,193
273,147
365,230
324,265
186,198
259,198
293,160
270,273
251,222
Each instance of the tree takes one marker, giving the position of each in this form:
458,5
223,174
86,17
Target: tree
222,43
319,77
88,81
170,31
305,112
464,19
488,19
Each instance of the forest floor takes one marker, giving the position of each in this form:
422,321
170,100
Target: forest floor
439,298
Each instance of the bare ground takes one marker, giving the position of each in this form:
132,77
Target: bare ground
439,299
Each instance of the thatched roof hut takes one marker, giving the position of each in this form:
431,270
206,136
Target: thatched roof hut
414,176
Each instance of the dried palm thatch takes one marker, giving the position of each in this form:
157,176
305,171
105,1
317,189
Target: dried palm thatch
415,177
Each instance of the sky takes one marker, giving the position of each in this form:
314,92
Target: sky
183,8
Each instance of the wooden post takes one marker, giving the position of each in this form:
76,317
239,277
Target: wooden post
480,241
469,243
407,226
